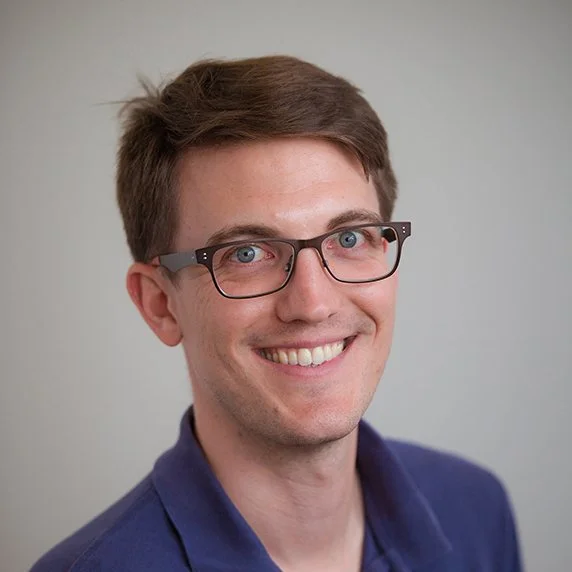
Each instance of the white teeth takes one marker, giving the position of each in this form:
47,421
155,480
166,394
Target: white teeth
317,355
337,349
293,357
305,356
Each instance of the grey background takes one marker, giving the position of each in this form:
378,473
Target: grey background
476,97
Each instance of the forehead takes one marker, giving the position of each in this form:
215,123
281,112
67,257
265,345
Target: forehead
293,185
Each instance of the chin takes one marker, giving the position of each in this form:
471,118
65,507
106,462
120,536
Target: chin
320,429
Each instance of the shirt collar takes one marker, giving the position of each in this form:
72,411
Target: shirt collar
403,523
216,536
212,530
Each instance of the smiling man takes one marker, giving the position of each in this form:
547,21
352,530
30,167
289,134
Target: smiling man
257,198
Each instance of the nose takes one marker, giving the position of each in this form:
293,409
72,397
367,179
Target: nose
312,295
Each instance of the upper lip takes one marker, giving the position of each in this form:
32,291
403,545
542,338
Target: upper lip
305,343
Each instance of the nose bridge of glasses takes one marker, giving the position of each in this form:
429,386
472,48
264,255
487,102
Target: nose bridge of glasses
313,244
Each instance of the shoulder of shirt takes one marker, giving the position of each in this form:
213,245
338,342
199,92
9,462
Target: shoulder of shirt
138,510
436,470
469,501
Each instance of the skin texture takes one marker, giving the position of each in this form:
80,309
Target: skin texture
281,439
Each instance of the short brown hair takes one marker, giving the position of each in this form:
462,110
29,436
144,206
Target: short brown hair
222,101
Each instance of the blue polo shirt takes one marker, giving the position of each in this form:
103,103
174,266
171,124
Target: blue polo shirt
426,511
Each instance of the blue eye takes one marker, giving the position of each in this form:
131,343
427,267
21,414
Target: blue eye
348,239
245,254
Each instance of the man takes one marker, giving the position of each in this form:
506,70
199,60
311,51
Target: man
257,198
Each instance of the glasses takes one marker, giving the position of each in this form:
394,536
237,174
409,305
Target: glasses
257,267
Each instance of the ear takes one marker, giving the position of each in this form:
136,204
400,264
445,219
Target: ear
150,292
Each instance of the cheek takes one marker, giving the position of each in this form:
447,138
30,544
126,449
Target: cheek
378,299
196,315
215,325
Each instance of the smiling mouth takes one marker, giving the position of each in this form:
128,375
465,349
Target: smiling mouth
306,357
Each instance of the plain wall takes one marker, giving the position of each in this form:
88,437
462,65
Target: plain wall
477,100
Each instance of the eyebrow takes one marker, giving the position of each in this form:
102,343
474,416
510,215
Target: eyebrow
232,232
229,233
355,216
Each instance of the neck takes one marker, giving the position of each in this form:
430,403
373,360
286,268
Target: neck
304,503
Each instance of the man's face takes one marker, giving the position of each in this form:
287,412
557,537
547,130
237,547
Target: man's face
296,187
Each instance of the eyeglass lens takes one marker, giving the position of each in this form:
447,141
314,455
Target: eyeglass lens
257,267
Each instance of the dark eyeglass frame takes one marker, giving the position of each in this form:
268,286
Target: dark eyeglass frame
204,256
